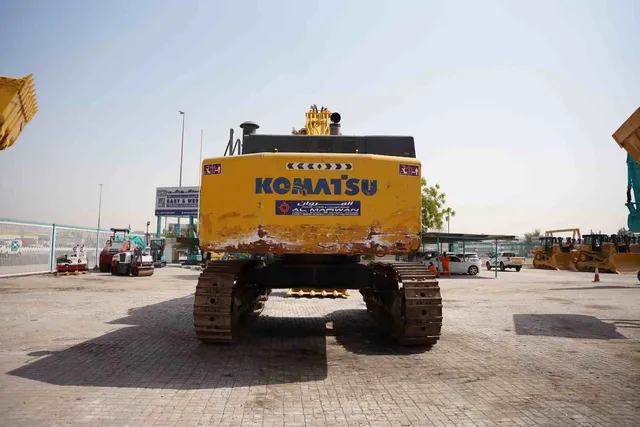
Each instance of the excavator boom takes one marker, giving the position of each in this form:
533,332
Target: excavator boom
628,137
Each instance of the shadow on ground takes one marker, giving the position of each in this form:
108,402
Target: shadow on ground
159,350
584,288
191,277
566,326
463,277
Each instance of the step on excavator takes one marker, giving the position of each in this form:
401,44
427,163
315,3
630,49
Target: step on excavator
305,208
557,253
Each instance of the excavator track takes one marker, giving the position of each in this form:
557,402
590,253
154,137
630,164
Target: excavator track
225,302
405,299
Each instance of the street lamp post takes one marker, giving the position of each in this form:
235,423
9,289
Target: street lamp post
98,229
181,155
200,165
181,147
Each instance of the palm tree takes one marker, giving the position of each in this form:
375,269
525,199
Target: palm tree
448,213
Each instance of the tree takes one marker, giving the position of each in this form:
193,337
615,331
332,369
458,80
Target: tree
623,232
433,212
530,237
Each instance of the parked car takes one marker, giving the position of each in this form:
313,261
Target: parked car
468,263
505,260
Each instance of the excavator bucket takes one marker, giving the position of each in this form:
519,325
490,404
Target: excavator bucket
625,263
335,293
18,105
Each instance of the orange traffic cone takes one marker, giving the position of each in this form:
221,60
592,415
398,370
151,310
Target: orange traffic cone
597,276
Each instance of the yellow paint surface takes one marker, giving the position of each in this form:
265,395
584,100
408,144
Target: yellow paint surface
234,218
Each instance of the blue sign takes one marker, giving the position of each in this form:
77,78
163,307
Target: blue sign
314,186
318,208
177,201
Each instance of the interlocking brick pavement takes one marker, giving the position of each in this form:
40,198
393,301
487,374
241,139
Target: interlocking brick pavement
530,348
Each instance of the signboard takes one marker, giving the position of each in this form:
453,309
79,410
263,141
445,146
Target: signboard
177,201
317,208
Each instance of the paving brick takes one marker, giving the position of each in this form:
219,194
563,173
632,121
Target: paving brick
530,348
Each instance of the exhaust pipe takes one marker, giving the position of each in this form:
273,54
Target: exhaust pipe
248,128
334,127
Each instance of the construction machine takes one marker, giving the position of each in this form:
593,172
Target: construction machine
158,245
610,254
305,208
119,242
74,264
134,262
556,253
18,106
628,137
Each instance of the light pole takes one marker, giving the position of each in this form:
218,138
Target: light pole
181,146
148,222
201,135
98,229
181,153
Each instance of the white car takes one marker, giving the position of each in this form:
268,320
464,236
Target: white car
468,263
505,260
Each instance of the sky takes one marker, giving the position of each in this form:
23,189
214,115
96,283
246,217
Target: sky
512,104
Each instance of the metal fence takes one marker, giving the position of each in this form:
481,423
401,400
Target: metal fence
522,249
27,247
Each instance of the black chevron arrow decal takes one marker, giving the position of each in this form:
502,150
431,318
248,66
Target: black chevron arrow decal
349,166
300,166
310,165
338,166
328,166
289,165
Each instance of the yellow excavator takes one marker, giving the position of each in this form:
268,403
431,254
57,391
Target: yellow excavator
305,209
626,257
18,105
555,253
